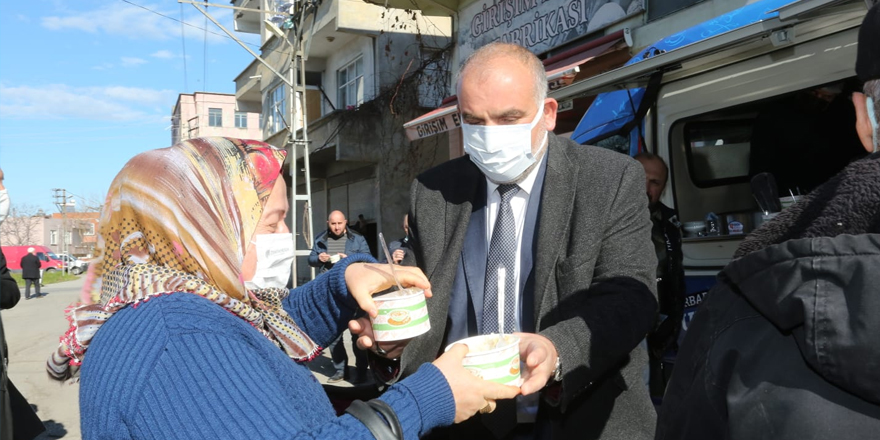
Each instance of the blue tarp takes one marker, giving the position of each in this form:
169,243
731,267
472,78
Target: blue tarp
611,111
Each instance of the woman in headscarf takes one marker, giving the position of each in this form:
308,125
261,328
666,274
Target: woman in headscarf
180,344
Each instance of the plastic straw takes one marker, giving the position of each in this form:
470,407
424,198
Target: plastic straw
501,285
390,262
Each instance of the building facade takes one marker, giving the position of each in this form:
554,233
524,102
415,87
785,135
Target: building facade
74,233
203,114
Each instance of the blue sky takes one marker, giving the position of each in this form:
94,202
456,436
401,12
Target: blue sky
85,85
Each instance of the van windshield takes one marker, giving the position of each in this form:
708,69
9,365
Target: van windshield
53,256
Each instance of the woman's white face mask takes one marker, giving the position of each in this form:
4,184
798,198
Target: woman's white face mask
502,152
274,254
4,205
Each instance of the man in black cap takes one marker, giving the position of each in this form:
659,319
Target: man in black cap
786,344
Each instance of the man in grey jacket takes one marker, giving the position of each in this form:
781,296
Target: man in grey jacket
338,242
565,230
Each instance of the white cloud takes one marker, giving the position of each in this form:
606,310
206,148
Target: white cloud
136,23
103,66
59,101
132,61
164,55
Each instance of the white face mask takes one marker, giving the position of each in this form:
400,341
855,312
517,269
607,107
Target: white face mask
4,205
502,152
872,116
274,255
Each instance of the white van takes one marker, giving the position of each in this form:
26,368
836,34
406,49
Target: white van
730,98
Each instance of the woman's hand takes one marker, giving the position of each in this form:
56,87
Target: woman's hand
364,330
365,279
471,393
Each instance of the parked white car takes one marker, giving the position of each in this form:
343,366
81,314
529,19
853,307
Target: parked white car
77,266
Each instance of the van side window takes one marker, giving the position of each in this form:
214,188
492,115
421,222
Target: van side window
718,151
42,256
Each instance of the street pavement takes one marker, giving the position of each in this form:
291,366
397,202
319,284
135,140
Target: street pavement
32,330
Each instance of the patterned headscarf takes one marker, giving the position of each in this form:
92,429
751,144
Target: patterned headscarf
179,219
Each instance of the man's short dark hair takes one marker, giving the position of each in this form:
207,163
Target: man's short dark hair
647,155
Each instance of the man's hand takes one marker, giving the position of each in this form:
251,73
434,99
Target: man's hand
364,329
397,256
471,393
324,257
540,357
365,279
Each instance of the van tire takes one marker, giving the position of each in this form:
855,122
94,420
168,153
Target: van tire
50,269
76,270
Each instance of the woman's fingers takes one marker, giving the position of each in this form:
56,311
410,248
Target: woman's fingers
471,393
364,280
497,391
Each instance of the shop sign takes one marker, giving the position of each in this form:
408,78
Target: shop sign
538,25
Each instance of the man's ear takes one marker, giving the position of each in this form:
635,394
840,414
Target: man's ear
550,107
863,122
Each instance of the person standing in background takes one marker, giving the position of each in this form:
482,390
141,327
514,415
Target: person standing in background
30,272
399,248
666,236
338,242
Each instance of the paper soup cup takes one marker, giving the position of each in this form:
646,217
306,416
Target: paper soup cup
487,362
403,314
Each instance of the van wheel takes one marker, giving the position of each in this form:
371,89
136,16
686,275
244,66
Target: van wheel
76,271
51,269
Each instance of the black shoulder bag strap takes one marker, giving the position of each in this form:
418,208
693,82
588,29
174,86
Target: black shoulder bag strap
378,417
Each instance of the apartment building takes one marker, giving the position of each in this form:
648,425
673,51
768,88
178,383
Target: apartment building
202,114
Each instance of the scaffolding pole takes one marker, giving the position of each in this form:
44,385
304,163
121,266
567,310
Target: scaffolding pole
296,139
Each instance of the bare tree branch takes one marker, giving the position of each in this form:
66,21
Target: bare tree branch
22,225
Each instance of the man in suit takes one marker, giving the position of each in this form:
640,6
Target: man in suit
30,272
570,226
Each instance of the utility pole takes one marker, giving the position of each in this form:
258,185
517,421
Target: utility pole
292,17
61,202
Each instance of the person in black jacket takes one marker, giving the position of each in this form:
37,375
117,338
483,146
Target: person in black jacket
399,248
17,418
666,236
30,271
785,346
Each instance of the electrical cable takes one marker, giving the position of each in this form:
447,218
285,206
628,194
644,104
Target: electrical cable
183,42
205,54
185,23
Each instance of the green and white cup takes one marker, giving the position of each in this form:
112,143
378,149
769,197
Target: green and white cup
403,314
492,358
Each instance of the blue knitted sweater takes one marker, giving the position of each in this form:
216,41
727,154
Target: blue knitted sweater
180,367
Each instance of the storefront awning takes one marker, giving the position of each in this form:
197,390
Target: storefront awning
437,121
561,71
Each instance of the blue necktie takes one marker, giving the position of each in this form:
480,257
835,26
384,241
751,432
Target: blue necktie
502,253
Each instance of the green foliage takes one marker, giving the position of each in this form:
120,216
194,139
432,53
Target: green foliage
49,277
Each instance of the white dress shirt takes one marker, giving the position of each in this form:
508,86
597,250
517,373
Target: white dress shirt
519,205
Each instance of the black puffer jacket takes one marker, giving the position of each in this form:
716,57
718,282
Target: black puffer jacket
787,345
